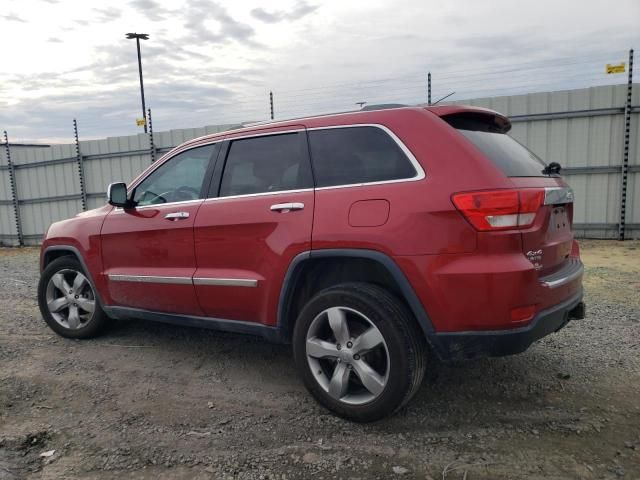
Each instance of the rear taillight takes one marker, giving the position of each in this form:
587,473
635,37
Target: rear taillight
491,210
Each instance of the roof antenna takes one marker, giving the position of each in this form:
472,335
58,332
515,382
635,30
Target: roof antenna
446,96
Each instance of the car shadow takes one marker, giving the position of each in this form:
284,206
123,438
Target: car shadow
463,394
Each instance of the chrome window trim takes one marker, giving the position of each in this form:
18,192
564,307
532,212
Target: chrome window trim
157,205
150,279
226,282
161,161
263,134
264,194
420,173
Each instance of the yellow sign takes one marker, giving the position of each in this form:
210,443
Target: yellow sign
615,68
140,122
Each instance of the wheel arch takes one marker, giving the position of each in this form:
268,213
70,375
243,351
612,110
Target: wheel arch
307,266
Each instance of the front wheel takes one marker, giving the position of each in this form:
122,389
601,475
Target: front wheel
68,301
359,351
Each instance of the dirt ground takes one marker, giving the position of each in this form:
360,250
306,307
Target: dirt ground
149,401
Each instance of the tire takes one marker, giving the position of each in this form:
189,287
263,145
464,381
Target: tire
359,395
66,274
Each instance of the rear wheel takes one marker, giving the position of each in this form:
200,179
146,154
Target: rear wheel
68,301
359,351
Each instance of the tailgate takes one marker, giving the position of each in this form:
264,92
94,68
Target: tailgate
548,242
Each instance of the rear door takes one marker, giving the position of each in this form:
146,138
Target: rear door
548,242
259,217
147,250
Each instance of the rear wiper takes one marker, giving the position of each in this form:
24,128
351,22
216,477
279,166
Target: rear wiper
552,169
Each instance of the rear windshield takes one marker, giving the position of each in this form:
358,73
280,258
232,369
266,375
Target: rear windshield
513,158
487,133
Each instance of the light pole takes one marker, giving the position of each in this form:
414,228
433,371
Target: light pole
138,37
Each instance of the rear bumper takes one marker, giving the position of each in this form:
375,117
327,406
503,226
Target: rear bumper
496,343
478,292
572,271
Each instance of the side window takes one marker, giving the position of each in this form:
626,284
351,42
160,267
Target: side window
267,164
177,180
352,155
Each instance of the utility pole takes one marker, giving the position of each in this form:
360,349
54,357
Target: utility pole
138,37
429,89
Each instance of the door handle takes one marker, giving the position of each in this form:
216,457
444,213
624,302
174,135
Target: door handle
287,207
176,216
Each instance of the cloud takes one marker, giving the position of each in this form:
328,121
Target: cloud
206,61
12,17
107,14
200,14
491,46
301,9
267,17
151,9
182,103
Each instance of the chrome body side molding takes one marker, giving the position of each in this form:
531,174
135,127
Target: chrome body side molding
222,282
150,279
226,282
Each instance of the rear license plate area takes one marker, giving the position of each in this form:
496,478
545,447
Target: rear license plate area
559,222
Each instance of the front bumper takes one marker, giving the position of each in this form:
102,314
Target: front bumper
497,343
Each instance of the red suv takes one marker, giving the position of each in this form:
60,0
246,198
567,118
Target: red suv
368,240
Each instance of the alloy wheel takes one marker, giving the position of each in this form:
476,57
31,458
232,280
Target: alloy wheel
70,299
347,355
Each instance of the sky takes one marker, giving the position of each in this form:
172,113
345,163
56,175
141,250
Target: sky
211,62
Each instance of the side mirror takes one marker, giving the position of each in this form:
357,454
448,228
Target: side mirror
117,195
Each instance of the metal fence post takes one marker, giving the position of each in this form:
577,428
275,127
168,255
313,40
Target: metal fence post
429,89
14,191
625,152
80,161
152,145
271,103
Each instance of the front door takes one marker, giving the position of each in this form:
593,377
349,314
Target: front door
258,220
147,250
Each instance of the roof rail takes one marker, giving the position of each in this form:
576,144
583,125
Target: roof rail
383,106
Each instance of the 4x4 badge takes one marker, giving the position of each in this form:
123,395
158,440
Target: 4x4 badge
535,257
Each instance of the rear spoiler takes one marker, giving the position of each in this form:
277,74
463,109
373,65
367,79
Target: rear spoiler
461,115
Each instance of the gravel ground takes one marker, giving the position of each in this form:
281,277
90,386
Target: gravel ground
150,401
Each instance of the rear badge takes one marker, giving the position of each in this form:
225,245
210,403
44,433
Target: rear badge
535,257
